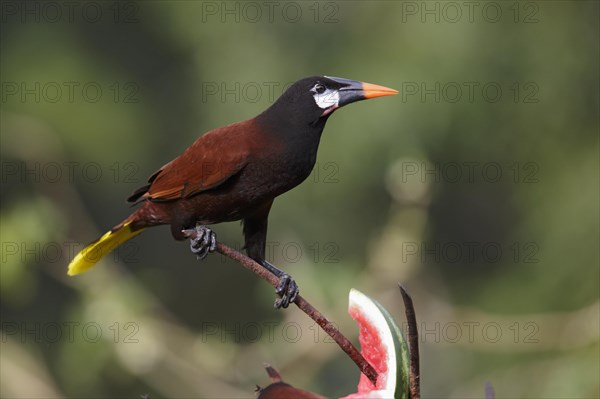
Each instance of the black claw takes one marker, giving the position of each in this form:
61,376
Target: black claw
283,283
294,292
204,242
213,243
288,290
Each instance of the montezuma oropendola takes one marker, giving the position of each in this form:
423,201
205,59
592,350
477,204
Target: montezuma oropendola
235,172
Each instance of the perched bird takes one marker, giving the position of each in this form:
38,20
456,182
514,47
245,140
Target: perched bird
235,172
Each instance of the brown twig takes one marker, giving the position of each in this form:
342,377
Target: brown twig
413,344
306,307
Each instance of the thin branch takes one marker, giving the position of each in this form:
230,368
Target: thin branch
304,305
413,344
272,373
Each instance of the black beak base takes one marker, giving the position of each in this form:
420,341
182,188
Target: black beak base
351,91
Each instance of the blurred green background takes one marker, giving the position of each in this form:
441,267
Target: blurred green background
477,187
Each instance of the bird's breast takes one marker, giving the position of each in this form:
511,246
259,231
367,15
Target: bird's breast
285,172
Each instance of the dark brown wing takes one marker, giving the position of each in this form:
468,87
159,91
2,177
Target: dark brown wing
210,161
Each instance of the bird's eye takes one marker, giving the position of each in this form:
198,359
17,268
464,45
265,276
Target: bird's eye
319,88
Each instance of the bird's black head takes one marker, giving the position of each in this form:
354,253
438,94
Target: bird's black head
310,101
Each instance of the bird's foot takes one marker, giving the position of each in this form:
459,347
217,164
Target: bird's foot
287,290
204,242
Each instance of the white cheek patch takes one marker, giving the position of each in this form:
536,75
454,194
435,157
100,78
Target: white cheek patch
329,98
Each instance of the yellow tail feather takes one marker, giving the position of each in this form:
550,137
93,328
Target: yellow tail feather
95,251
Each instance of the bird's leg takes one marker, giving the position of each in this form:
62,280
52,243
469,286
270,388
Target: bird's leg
255,235
287,289
204,242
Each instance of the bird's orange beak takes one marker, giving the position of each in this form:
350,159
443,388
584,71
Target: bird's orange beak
372,91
